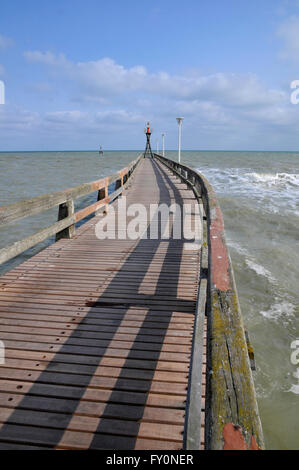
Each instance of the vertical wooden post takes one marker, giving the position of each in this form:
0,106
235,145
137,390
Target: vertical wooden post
65,210
119,183
102,194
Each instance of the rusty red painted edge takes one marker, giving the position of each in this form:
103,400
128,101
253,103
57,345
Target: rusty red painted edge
219,256
234,439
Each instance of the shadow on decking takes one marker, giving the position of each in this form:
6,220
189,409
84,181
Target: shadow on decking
42,430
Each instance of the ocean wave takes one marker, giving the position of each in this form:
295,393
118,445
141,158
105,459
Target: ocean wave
275,179
251,262
271,192
246,176
260,270
295,387
279,310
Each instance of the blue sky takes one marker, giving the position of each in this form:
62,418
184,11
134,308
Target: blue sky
82,74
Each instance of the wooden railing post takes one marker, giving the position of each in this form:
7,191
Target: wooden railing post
65,210
102,194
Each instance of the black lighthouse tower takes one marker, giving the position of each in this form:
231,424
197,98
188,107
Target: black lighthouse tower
148,150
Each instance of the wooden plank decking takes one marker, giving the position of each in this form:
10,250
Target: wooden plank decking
98,335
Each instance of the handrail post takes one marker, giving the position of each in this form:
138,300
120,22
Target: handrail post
103,194
121,183
65,210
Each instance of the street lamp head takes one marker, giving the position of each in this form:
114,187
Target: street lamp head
180,120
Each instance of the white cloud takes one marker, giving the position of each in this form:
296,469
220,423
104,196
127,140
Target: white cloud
17,121
206,125
102,97
5,42
102,78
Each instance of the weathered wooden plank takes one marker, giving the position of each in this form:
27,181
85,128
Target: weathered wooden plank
169,432
90,408
146,364
98,351
111,313
95,395
43,336
81,440
96,382
30,365
168,334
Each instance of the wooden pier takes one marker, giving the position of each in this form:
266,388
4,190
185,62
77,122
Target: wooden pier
124,343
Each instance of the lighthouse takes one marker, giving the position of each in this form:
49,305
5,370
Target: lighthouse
148,131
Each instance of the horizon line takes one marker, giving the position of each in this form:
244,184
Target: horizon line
142,151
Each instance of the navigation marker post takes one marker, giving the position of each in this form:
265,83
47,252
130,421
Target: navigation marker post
148,131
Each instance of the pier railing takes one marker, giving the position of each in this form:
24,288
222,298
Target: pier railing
232,418
67,217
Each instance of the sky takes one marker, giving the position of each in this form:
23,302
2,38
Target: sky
80,74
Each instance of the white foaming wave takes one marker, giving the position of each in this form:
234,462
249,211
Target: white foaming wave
295,387
251,263
260,270
272,192
275,179
278,310
244,176
237,247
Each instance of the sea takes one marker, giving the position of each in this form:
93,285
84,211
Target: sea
258,193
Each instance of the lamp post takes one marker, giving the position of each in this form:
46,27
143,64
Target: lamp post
180,121
163,147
